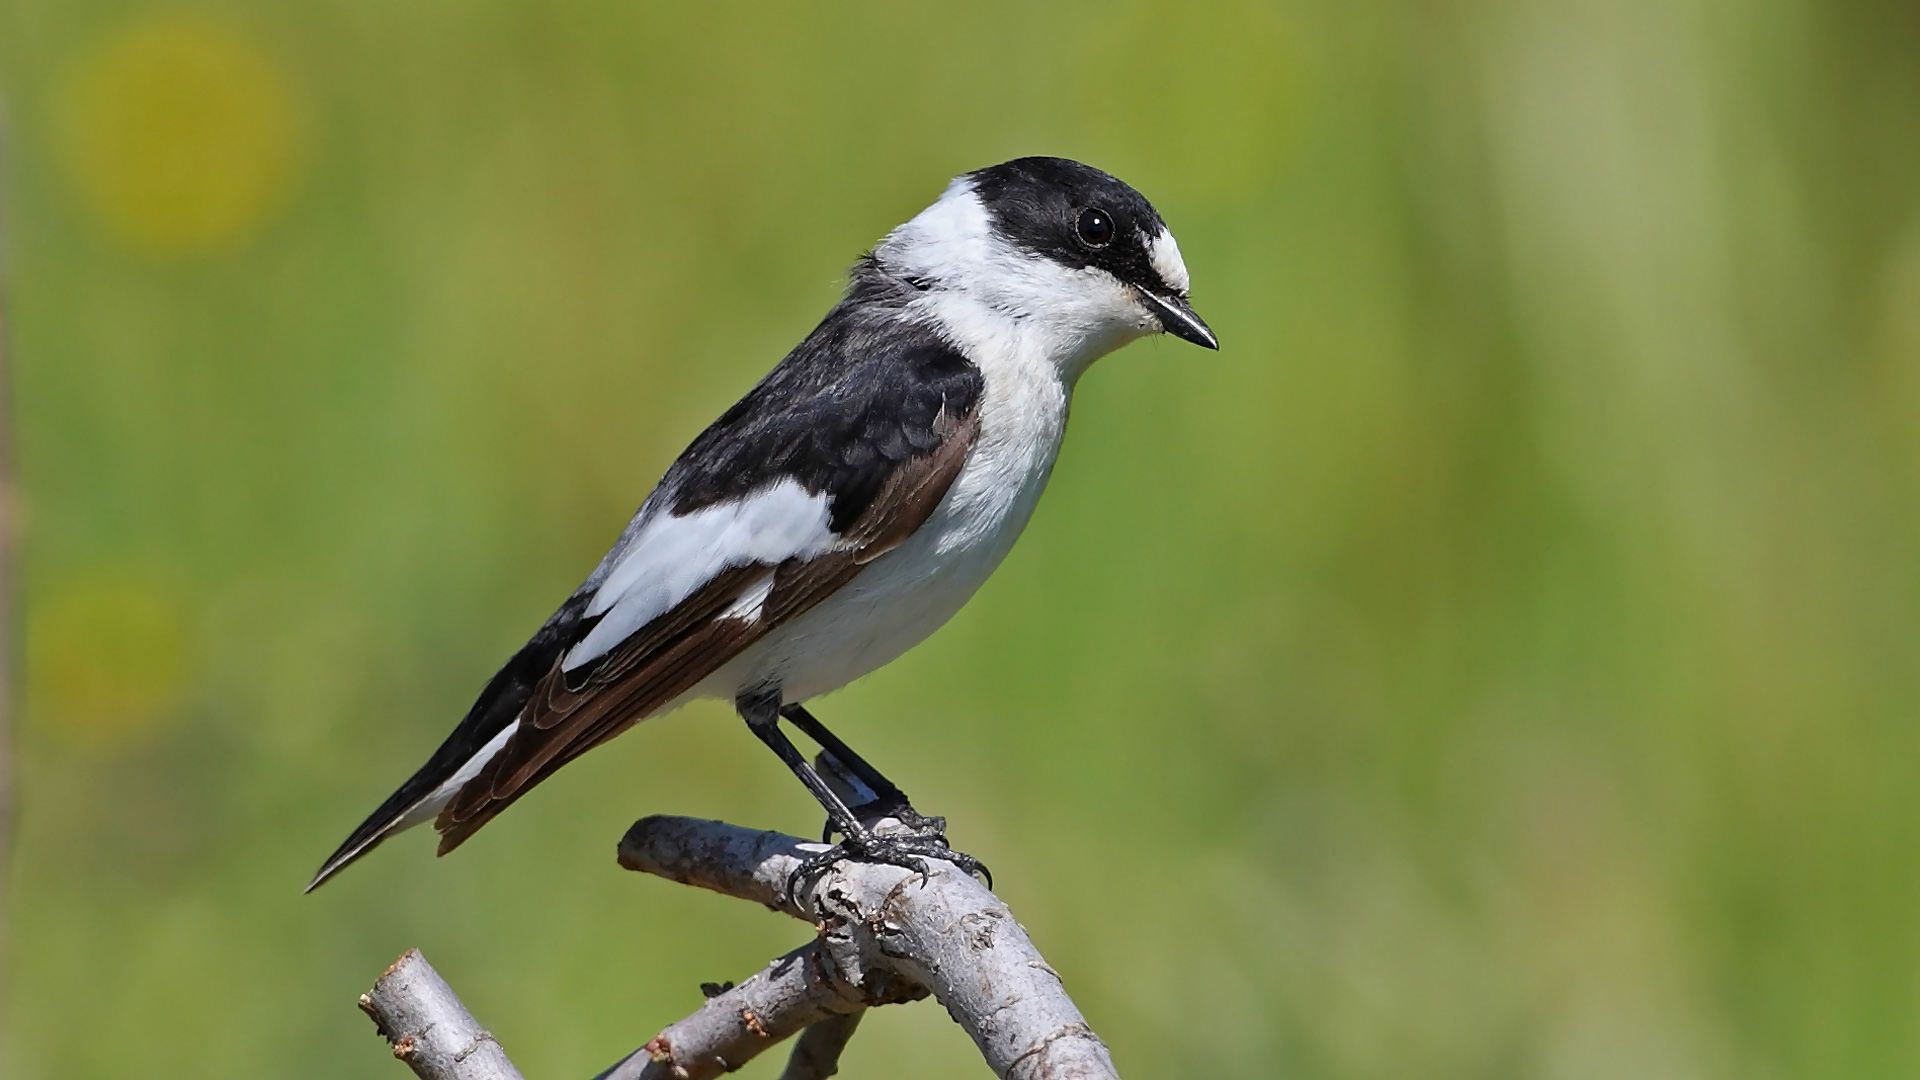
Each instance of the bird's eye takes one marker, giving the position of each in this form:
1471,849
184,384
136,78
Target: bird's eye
1095,226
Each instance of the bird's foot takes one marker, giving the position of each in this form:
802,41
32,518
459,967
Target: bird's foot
899,809
916,822
909,851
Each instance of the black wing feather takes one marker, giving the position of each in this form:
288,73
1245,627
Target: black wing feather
852,403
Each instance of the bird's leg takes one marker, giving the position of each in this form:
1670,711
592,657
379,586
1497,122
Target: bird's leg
761,710
888,800
882,788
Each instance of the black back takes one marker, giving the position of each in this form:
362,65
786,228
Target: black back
848,405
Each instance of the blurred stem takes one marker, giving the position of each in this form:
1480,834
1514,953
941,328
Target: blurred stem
9,529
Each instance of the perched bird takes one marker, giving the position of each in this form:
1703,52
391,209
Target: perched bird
841,511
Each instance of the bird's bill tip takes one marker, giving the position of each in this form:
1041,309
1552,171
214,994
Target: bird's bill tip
1178,318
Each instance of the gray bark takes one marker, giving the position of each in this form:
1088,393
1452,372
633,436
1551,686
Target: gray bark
429,1029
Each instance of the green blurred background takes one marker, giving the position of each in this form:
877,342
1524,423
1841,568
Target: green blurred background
1498,661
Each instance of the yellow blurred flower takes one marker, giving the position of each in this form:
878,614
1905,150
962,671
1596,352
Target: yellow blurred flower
106,660
183,135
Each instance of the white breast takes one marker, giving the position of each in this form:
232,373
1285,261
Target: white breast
908,593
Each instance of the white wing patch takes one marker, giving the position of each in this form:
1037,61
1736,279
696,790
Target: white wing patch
1164,254
672,556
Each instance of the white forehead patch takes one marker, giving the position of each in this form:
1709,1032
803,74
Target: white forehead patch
1164,253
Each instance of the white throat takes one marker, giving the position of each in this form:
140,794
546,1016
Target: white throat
999,304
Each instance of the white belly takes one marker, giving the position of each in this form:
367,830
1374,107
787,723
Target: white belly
908,593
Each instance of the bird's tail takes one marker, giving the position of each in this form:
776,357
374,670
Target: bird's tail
402,811
421,797
480,735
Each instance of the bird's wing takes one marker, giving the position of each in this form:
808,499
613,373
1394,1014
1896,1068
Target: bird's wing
835,458
671,653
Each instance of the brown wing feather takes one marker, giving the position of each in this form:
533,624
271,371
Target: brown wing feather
671,655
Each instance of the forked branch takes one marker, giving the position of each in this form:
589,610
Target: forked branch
884,935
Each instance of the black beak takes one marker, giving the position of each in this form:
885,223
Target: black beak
1177,318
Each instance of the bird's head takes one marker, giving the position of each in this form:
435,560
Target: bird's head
1051,249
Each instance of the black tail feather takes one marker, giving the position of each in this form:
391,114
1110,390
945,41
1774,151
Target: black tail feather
498,705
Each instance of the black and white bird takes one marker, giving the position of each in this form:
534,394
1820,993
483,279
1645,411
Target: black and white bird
841,511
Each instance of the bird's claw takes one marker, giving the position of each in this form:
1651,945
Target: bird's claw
899,810
907,852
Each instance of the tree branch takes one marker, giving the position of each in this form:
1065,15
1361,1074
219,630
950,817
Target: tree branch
884,935
429,1029
887,934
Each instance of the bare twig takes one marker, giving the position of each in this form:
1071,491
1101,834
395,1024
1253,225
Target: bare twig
736,1024
429,1028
